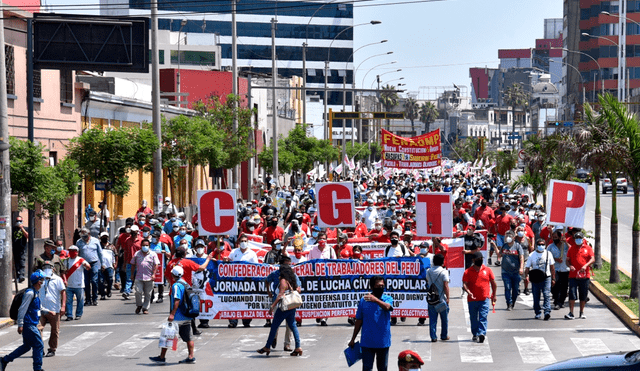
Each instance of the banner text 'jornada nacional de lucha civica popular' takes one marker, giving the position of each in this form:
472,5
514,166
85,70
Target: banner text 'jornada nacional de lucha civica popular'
330,288
419,152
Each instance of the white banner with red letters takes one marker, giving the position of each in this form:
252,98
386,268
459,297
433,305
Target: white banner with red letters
336,205
217,212
434,214
567,203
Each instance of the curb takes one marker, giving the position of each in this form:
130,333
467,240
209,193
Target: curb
6,322
615,305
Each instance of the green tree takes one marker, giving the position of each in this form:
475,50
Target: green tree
411,111
428,115
505,162
389,99
358,151
466,149
109,155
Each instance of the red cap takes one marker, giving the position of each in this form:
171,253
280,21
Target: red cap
472,223
255,201
409,356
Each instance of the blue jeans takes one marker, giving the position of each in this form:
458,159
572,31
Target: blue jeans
129,285
545,288
433,322
91,281
280,316
105,281
511,286
381,355
499,241
79,293
31,338
478,311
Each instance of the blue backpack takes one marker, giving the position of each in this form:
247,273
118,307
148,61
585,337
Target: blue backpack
190,303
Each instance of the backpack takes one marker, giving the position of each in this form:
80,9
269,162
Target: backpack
433,295
190,303
16,303
386,251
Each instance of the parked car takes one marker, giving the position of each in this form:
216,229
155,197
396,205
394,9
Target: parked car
610,361
584,175
621,185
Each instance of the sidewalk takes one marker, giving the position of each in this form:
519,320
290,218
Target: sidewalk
6,321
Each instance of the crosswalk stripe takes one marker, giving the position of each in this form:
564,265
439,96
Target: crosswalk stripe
534,350
200,341
590,346
246,343
471,352
133,345
80,343
422,346
3,332
635,341
13,345
467,319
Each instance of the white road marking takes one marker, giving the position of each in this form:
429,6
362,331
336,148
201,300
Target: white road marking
245,345
80,343
422,349
534,350
3,332
201,341
570,329
635,341
590,346
13,345
526,300
471,352
133,345
465,306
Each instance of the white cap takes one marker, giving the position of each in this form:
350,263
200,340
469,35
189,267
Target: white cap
134,228
73,247
104,234
167,199
177,271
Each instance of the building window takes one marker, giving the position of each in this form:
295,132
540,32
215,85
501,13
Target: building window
37,83
160,60
195,58
66,86
11,72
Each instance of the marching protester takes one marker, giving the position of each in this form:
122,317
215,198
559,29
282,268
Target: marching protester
439,276
76,266
479,283
540,269
53,297
579,259
28,321
145,263
559,249
512,257
374,318
91,251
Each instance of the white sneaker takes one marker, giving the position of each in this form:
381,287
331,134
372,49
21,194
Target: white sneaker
582,316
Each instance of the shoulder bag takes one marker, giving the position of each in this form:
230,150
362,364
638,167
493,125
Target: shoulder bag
290,300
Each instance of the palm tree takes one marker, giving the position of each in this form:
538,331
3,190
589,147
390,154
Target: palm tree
411,109
515,96
505,162
389,99
428,115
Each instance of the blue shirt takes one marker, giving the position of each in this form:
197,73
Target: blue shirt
376,323
29,312
91,251
178,238
177,293
168,226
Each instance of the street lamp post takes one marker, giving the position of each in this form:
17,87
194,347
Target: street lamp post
621,71
363,79
599,70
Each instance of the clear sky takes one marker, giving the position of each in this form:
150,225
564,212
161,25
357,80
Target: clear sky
435,43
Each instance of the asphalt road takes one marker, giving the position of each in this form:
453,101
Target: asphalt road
111,336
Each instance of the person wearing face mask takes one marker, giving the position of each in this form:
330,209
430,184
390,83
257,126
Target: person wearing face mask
141,220
168,207
321,251
357,253
537,226
370,215
19,248
164,238
361,228
527,248
242,254
93,225
408,360
342,247
473,242
91,251
132,245
272,231
76,266
579,260
373,316
512,256
503,224
52,296
162,250
396,249
49,254
541,260
182,235
479,283
144,209
273,255
60,251
559,249
293,231
378,233
145,264
109,261
172,226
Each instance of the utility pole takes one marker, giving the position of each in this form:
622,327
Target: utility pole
155,103
6,267
234,85
304,82
30,136
274,111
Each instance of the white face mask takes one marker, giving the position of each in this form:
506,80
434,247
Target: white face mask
145,248
508,239
384,233
540,248
520,234
58,248
128,230
145,234
200,250
424,250
243,245
48,272
278,247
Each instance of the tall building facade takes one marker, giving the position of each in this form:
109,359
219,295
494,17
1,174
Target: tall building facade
325,26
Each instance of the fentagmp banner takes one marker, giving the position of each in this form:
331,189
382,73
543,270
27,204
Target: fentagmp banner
419,152
330,288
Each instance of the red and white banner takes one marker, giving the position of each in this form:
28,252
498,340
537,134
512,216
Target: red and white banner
336,207
434,214
567,203
217,212
419,152
158,278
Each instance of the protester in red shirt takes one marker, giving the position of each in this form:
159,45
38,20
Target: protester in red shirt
342,248
579,259
361,228
189,266
378,234
272,231
479,282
